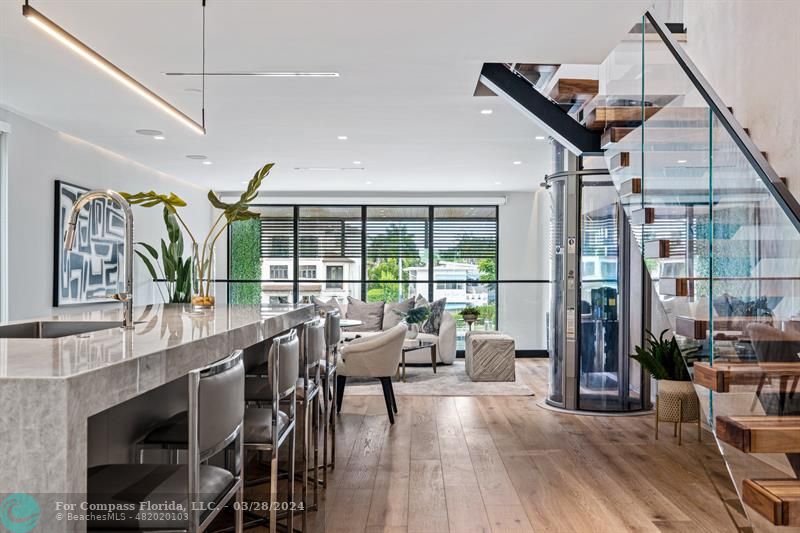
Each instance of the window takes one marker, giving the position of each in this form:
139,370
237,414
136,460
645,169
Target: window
397,252
334,276
465,249
279,272
278,300
308,271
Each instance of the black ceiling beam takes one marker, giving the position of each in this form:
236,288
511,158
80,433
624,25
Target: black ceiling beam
547,114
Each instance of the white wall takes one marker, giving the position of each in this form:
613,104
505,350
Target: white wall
37,156
524,236
748,52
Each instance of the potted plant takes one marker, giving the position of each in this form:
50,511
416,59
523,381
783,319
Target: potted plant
415,318
470,313
662,358
203,253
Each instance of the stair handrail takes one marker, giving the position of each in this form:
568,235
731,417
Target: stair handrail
769,177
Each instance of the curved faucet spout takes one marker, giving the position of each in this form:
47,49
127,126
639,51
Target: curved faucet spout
69,242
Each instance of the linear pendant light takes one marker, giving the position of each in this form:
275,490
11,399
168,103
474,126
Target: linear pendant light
71,42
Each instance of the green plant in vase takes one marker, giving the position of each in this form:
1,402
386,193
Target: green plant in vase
203,252
173,268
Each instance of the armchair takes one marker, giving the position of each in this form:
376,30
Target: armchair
376,356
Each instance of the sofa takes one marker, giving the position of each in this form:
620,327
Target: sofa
382,316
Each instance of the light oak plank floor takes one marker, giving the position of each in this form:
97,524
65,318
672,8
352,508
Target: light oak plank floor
501,463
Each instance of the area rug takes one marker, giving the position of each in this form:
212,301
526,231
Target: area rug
449,380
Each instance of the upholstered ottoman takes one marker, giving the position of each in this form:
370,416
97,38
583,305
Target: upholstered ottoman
489,356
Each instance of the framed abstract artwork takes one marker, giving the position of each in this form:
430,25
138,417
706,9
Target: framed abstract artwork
92,270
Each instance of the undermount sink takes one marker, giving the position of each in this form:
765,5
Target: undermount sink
53,329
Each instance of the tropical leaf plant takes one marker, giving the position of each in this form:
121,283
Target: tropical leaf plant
662,358
173,268
203,253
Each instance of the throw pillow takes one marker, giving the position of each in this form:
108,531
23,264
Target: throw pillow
392,310
434,321
321,306
420,301
370,314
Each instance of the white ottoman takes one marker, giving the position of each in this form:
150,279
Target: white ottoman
489,356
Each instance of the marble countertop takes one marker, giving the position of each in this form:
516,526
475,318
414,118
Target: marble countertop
161,331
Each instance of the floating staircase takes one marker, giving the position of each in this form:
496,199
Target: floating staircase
719,233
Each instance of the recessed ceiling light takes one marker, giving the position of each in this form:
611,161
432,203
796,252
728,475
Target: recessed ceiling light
149,133
516,162
682,161
540,137
207,163
486,111
498,182
356,162
159,137
368,182
196,157
342,137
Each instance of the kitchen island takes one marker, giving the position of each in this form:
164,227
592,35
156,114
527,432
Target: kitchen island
70,402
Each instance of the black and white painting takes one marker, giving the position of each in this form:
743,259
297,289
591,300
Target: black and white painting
92,270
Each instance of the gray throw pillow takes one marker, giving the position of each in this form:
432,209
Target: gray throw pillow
434,321
370,314
321,306
420,301
392,310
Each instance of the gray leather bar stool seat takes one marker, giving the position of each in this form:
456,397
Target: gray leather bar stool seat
212,424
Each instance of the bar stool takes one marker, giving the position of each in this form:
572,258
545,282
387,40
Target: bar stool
333,335
213,423
308,386
266,429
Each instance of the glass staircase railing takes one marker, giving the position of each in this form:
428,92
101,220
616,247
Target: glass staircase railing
719,233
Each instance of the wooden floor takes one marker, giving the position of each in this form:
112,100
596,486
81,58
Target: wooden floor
498,463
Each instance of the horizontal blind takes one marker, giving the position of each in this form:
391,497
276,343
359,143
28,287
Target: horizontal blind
329,237
277,237
396,237
600,236
464,238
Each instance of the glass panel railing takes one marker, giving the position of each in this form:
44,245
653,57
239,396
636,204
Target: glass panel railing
719,233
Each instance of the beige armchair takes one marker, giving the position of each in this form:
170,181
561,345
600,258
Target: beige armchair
376,356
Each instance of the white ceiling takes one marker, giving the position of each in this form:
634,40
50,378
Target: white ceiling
404,98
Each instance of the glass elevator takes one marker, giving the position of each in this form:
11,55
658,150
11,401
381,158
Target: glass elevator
596,309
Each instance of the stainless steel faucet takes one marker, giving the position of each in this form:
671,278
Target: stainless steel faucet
69,241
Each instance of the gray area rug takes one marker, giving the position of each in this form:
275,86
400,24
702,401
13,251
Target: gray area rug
449,380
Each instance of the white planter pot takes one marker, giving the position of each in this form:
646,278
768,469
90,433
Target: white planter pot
413,331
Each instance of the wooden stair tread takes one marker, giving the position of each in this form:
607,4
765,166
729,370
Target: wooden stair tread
760,434
778,500
574,90
721,376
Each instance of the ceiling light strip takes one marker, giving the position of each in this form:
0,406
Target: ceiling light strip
68,40
257,74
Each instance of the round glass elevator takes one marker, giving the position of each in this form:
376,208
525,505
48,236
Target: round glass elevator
596,313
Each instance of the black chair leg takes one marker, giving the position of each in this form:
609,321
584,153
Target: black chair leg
394,401
386,383
340,383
